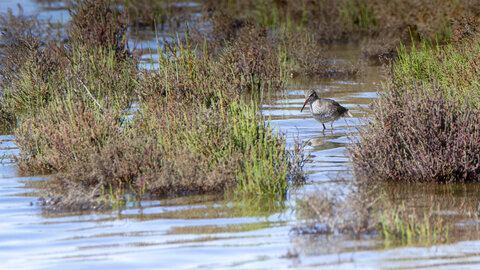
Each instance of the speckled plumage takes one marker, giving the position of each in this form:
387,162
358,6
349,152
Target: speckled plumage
324,110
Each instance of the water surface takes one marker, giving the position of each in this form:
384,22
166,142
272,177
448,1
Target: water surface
210,232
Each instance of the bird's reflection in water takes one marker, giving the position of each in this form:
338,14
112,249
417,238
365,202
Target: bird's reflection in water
323,142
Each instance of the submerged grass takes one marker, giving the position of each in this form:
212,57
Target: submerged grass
410,214
399,227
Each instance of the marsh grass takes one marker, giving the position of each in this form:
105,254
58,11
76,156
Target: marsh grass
425,127
99,24
419,137
91,71
399,226
95,61
270,54
358,14
193,129
399,216
20,36
453,68
353,19
21,40
305,56
244,155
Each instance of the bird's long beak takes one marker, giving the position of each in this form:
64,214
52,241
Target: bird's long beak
306,101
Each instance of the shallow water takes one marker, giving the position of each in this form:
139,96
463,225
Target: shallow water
211,232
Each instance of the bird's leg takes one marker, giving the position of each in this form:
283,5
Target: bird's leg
323,126
331,126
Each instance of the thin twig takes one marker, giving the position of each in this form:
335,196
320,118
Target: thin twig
90,94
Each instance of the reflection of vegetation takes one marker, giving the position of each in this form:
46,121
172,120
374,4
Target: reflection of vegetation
259,206
149,13
217,229
198,208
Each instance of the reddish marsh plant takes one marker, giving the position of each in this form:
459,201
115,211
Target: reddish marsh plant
419,136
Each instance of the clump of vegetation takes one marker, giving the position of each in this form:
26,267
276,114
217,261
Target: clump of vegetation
425,126
399,226
419,136
407,215
254,56
305,56
49,69
206,92
381,50
98,24
270,54
21,40
20,35
189,131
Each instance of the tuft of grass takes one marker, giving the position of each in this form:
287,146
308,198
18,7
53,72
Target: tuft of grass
99,24
358,14
399,227
398,214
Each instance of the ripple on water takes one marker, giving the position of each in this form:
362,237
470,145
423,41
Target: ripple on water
210,231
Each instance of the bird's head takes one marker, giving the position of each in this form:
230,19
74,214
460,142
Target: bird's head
310,95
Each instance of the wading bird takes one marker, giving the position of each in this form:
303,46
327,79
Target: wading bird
324,110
